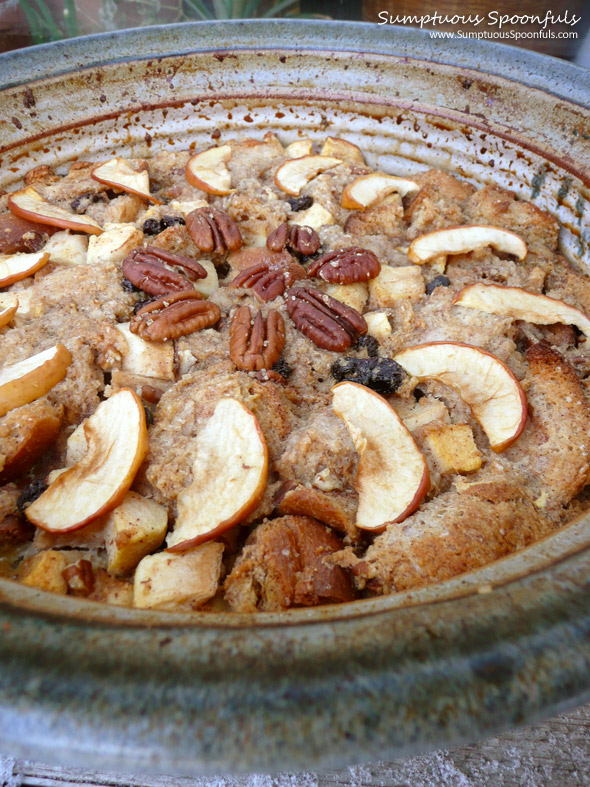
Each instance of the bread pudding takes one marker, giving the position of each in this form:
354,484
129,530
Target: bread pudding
263,376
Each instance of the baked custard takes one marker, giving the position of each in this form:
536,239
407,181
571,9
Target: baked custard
263,376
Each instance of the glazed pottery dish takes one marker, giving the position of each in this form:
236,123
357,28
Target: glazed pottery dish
294,415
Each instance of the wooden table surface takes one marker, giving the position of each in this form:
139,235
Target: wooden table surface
554,752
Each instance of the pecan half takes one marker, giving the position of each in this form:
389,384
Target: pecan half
79,578
269,280
346,266
152,270
174,315
330,324
302,240
256,344
213,231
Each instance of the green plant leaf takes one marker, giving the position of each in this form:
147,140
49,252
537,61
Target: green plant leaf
278,8
198,10
71,19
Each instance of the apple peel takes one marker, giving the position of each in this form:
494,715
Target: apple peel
29,204
368,190
15,267
493,393
27,380
462,240
521,305
8,312
392,476
230,472
117,172
116,436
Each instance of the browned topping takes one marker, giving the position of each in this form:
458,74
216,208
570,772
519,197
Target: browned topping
256,344
346,266
152,270
302,240
174,315
213,231
79,578
19,235
329,323
42,173
269,280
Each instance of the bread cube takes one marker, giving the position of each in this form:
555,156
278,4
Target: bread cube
353,295
67,249
454,449
315,217
151,359
178,580
133,529
393,284
45,571
114,244
207,286
379,325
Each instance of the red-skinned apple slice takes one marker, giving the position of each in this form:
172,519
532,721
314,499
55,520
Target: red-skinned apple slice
486,384
8,312
14,267
208,170
117,172
29,204
27,380
230,472
392,476
462,240
521,305
116,436
368,190
295,173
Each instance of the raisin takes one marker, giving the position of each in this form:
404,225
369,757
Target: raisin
438,281
29,494
156,226
369,343
383,375
140,304
149,416
223,270
300,203
127,285
282,368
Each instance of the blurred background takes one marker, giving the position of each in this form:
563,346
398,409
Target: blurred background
27,22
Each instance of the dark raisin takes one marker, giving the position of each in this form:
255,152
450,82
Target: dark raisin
300,203
223,270
438,281
140,304
29,494
282,368
310,257
170,221
149,416
151,226
127,285
383,375
370,344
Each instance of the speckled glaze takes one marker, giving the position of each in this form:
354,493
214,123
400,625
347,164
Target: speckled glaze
83,684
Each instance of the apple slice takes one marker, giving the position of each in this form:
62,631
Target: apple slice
229,476
521,305
461,240
14,267
117,172
301,147
369,190
116,436
208,170
294,173
8,311
392,476
27,380
341,148
29,204
486,384
315,217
